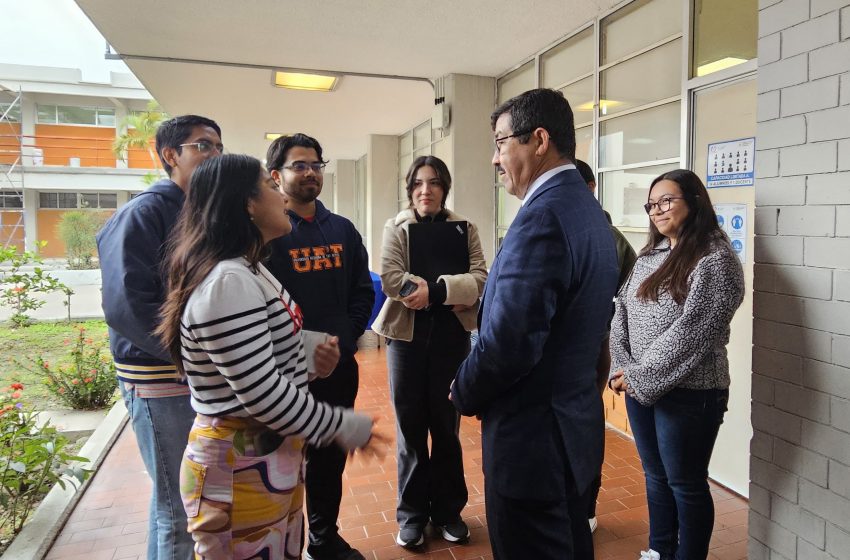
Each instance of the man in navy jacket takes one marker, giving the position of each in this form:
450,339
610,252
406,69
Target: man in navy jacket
131,249
324,265
532,375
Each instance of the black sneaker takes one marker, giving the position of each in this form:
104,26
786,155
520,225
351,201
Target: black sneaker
456,532
410,537
337,549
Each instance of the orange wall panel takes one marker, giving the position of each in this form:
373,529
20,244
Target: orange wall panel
47,222
10,233
92,144
139,158
10,146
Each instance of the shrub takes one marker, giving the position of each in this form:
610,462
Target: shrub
32,459
20,285
86,380
77,229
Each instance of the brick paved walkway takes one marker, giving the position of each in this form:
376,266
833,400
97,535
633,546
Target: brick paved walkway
109,523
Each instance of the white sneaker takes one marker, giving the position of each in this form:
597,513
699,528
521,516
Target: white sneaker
593,524
649,555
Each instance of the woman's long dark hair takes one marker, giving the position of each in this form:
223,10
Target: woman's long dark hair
214,225
693,242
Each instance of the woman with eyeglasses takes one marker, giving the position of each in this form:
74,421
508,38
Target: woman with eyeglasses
234,334
668,350
427,324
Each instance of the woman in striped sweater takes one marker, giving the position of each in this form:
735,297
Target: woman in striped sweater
235,334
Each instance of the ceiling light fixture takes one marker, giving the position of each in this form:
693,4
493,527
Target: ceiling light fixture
305,81
719,65
275,135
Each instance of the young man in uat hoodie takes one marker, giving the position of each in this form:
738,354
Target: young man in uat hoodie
324,265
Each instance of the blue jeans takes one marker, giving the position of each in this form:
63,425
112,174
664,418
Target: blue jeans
162,430
675,438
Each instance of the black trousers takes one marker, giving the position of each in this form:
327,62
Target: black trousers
430,485
540,529
323,481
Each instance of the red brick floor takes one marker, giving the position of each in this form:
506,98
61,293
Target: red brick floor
109,523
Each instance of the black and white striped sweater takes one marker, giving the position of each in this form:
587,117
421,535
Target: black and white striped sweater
244,356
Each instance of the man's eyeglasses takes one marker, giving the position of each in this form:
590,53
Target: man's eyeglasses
205,147
499,141
303,166
663,205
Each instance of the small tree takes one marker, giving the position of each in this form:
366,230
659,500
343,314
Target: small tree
139,130
19,285
77,229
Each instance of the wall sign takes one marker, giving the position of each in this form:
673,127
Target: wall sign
733,220
731,164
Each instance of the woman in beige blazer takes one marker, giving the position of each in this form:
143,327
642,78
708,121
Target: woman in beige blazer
428,338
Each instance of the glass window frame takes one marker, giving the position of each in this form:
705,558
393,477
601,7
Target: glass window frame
684,97
98,111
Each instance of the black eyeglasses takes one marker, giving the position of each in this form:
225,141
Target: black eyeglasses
303,166
205,147
663,205
498,141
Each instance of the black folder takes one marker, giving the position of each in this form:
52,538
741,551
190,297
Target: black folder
438,248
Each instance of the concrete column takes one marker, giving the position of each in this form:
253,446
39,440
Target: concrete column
329,192
30,210
344,193
470,144
381,195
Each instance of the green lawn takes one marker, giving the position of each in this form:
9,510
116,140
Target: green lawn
50,340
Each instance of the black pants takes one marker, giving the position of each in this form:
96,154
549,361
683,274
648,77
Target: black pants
421,371
540,529
325,464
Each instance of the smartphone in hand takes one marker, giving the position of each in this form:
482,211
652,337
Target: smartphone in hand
408,288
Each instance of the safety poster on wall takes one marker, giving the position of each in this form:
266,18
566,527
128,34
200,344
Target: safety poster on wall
731,163
733,220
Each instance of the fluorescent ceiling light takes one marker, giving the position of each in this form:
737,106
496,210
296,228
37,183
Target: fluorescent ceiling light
274,135
719,65
305,81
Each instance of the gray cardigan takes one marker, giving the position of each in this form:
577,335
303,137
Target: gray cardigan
663,345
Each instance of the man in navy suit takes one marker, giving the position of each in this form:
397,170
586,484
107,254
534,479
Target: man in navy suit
532,375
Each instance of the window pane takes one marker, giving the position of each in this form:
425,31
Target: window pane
624,193
617,89
67,200
724,34
426,151
88,200
13,114
47,200
11,199
108,200
580,96
643,136
76,115
518,81
404,165
405,143
568,60
638,25
422,135
509,205
106,117
584,144
46,114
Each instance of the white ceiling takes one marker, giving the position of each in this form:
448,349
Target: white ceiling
388,37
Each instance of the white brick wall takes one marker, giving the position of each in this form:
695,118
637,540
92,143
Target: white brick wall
800,451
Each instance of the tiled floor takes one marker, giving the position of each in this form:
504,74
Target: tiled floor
109,521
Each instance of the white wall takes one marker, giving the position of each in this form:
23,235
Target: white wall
800,465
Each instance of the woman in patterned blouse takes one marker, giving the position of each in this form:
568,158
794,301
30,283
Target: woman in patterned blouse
668,349
235,335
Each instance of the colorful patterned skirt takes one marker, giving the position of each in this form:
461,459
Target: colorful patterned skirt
243,490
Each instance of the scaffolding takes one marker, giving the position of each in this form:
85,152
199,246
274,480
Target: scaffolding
11,171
